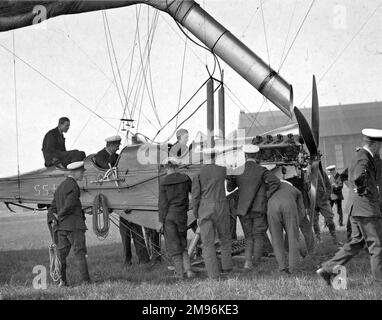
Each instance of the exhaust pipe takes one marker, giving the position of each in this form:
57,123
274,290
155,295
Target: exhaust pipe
231,50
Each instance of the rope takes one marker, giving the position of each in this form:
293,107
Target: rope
16,114
100,207
139,236
54,263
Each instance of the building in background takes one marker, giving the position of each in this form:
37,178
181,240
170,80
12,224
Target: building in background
340,127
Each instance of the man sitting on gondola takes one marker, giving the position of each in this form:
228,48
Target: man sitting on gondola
108,156
54,150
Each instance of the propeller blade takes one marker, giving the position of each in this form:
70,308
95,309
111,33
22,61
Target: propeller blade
313,189
306,132
315,113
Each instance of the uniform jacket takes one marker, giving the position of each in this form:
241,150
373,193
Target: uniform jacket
208,187
66,203
173,198
53,142
252,185
103,158
323,190
286,198
364,202
336,185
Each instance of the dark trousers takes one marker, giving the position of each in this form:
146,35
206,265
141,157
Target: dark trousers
338,203
77,240
175,237
66,157
130,230
214,218
367,231
254,226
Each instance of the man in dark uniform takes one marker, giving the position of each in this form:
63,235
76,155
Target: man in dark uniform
128,231
210,207
54,150
285,211
323,207
108,156
336,196
68,219
252,202
173,203
180,147
366,217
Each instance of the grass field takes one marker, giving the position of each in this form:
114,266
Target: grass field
23,244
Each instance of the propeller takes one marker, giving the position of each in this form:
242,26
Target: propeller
311,136
315,113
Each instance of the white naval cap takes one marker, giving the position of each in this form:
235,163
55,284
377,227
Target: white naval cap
113,139
75,165
171,160
331,167
251,148
373,134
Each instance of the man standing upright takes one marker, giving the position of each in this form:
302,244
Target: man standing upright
174,189
323,207
252,202
366,217
211,208
54,150
336,195
69,221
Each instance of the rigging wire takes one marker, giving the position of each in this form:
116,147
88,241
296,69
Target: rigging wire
298,32
110,59
16,114
265,33
181,81
151,99
181,109
344,49
57,86
288,32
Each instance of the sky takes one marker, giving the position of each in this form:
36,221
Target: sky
71,51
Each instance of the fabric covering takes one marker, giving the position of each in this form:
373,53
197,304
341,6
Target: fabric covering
16,14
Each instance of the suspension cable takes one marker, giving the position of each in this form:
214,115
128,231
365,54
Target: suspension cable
57,86
110,59
298,32
344,49
16,114
265,33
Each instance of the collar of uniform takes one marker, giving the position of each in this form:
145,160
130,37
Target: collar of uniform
251,160
368,150
108,152
286,182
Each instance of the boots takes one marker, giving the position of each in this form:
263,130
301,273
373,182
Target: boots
332,231
178,264
248,254
187,265
63,281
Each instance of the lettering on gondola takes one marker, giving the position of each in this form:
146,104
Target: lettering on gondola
44,190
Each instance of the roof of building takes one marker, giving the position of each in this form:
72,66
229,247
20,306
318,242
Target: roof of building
347,119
